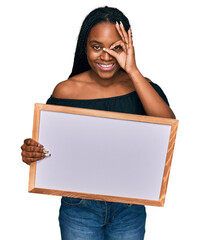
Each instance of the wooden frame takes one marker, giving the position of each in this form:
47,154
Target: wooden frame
159,128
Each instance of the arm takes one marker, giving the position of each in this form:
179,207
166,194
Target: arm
153,104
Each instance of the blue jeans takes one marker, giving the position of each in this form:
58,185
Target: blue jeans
82,219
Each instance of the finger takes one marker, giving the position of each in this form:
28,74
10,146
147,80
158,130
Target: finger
130,37
33,149
30,160
31,142
111,52
125,35
34,154
119,31
118,43
130,45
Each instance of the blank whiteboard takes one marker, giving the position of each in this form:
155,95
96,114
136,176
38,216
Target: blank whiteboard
102,155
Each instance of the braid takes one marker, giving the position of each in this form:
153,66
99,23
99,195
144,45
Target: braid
98,15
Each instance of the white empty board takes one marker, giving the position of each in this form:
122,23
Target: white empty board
102,155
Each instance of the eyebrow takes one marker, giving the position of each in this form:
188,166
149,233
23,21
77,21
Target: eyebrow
95,41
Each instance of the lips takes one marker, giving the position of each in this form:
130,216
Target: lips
106,67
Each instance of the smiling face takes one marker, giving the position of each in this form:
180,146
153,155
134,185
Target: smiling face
102,35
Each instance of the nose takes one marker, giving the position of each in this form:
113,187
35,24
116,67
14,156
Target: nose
105,56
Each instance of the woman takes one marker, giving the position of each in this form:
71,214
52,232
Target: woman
104,77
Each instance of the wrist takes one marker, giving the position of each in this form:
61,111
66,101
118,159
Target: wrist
134,73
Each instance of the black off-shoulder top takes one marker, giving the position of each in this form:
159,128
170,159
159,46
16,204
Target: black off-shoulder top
128,103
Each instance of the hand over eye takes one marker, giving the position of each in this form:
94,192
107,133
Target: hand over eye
123,49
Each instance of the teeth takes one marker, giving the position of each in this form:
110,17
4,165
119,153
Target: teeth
106,66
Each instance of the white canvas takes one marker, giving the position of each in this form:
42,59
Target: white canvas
101,155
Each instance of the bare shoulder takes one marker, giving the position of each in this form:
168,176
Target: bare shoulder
70,87
63,89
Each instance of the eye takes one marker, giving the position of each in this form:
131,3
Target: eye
117,48
96,48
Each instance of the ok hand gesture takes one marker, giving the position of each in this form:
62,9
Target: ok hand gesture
123,50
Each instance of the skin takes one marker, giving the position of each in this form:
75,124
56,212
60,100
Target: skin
102,36
107,43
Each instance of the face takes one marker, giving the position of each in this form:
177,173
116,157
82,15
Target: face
102,35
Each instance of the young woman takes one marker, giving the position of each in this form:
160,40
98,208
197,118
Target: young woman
104,77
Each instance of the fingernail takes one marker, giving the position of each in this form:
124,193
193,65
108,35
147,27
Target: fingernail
121,23
117,23
47,154
104,49
45,150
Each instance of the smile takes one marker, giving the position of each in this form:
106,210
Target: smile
107,67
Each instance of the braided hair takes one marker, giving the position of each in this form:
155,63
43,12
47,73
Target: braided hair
98,15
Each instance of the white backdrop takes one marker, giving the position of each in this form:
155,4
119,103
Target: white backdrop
37,47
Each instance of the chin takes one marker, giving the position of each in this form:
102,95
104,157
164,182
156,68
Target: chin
107,74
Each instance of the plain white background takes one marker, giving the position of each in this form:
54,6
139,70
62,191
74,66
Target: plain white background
37,47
